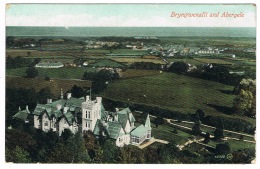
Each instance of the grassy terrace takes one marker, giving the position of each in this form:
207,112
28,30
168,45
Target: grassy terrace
165,132
175,92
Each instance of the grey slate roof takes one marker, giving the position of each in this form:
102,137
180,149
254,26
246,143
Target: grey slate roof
96,128
74,102
23,115
113,129
70,117
123,116
139,131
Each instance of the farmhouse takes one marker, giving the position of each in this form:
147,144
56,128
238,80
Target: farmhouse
62,114
49,65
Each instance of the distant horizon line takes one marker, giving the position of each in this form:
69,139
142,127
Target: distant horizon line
136,26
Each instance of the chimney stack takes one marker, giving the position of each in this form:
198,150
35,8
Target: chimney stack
61,93
65,110
49,100
27,109
68,95
87,98
99,99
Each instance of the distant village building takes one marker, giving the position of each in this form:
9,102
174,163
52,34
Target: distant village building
49,65
208,50
62,114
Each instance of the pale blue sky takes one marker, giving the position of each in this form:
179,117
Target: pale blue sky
123,15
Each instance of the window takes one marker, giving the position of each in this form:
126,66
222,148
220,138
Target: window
120,139
89,114
46,123
86,115
88,125
148,134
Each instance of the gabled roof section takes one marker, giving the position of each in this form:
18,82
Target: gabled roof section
113,129
23,115
40,108
57,113
58,102
69,117
96,130
74,102
123,116
140,131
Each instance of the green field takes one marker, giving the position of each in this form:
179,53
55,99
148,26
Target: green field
175,92
39,83
216,61
235,144
63,73
133,60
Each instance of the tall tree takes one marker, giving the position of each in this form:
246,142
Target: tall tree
196,127
44,94
32,72
179,67
219,133
19,155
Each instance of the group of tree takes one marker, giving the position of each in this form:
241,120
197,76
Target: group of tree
245,101
100,79
34,145
17,62
146,66
213,72
21,97
179,67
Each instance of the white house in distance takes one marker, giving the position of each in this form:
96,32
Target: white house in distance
49,65
62,114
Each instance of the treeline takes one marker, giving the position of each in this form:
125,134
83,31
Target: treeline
233,124
22,97
30,145
146,66
213,72
217,73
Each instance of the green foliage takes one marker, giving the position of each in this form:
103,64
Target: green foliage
17,62
245,101
159,120
71,151
77,91
44,94
206,138
223,149
179,67
219,133
196,128
130,155
66,134
169,153
18,155
109,151
31,72
77,150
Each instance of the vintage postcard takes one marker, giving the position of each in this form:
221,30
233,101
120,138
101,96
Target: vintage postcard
130,83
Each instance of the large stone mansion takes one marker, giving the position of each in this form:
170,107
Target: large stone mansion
65,113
